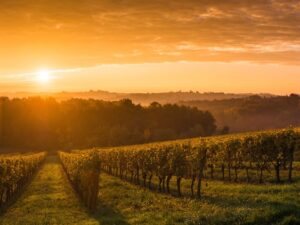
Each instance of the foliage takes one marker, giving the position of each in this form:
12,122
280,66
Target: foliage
77,123
190,158
83,170
15,172
252,113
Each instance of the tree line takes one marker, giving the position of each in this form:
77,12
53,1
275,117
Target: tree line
254,112
45,123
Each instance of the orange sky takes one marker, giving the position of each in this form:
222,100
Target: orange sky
158,45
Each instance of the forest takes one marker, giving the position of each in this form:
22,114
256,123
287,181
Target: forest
253,113
46,124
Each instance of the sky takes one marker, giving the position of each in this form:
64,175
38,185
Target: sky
150,46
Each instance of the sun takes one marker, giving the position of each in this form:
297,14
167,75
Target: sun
43,76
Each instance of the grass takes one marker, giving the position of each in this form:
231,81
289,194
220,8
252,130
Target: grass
50,200
222,203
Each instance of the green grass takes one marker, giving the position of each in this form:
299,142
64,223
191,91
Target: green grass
49,199
222,203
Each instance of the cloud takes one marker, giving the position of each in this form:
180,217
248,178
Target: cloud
82,33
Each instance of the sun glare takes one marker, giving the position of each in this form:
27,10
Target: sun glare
43,76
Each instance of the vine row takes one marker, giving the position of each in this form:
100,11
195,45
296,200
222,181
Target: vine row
82,169
15,172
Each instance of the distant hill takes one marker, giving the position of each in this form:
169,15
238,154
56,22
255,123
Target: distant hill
240,112
137,98
253,113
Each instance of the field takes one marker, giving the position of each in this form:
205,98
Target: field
70,189
50,200
221,204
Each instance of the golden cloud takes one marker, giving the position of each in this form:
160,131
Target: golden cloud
82,33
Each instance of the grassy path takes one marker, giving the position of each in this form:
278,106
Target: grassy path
48,200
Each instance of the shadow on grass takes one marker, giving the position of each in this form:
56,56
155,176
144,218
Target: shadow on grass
287,213
264,206
109,216
105,214
186,188
282,214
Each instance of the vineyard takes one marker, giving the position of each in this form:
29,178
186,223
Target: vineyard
82,170
254,161
233,158
15,172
